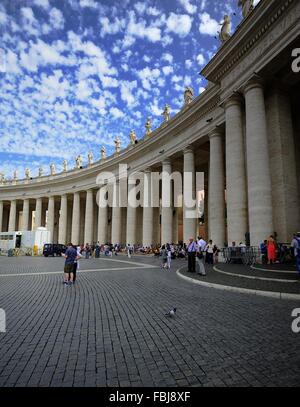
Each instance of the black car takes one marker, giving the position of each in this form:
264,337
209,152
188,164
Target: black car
53,249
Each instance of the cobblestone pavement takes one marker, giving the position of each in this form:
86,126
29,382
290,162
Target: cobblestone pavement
110,329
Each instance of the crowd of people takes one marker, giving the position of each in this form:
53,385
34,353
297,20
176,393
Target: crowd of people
197,251
273,252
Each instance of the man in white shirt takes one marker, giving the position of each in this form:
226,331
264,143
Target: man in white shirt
201,243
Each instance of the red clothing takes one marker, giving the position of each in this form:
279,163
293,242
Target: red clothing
271,251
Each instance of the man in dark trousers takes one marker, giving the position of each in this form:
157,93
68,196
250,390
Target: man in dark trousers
192,249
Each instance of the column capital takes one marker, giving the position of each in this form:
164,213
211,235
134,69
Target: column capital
216,132
188,149
235,99
166,161
255,82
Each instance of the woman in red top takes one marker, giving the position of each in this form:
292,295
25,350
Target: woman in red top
271,250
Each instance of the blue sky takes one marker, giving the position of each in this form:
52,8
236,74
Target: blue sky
74,74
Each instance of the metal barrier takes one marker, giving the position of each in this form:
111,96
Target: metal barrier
247,255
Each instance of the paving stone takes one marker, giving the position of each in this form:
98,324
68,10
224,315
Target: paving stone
110,330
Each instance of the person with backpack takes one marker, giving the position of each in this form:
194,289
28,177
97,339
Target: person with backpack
296,246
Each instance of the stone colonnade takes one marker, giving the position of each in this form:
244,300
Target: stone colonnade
252,186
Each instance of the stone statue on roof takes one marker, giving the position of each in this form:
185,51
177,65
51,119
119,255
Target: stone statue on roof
225,30
27,173
148,126
78,162
133,138
103,153
166,113
247,6
65,165
90,158
41,172
117,145
188,95
52,169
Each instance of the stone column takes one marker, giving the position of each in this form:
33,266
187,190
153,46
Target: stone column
236,188
75,234
102,216
147,211
216,192
63,219
189,194
282,153
25,215
116,232
12,216
50,217
167,210
258,166
1,215
131,216
38,212
89,217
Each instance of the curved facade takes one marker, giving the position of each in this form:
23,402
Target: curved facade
243,132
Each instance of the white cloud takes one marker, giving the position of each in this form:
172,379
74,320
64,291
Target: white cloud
56,19
109,82
126,92
200,59
88,4
148,77
188,64
179,24
42,3
167,70
116,113
167,57
208,25
189,8
140,30
140,7
109,27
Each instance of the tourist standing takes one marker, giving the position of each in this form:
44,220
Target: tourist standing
164,257
169,254
296,246
271,248
200,261
129,251
76,263
192,250
209,249
201,243
71,256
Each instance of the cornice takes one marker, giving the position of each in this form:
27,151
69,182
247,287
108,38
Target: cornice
248,33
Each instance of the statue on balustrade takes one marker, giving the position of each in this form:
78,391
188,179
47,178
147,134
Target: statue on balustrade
148,126
41,172
90,158
52,169
225,30
65,165
79,162
247,6
188,95
15,175
133,138
117,145
2,178
27,173
103,153
167,113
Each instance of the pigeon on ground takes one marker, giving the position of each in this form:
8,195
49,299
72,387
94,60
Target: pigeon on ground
171,313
